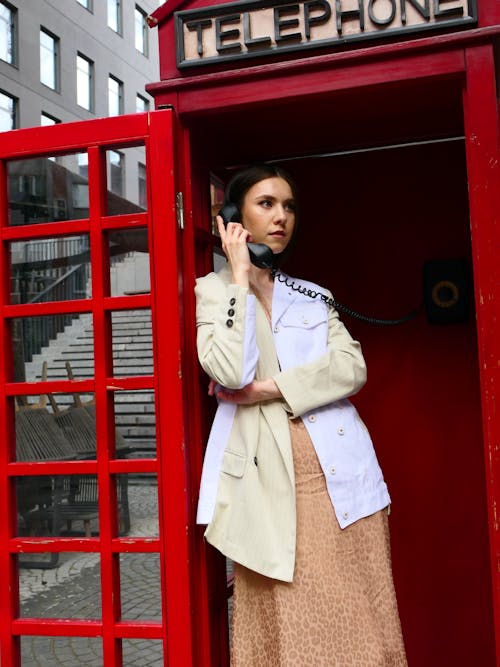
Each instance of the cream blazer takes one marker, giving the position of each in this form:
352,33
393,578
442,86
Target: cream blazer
247,493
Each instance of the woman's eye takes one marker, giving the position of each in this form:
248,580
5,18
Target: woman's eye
266,203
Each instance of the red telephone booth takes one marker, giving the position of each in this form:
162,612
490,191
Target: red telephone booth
386,116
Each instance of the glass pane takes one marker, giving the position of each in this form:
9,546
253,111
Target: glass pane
132,343
57,505
124,190
60,427
115,93
41,190
53,347
129,262
84,82
7,113
56,269
48,55
6,34
68,651
70,588
140,518
140,586
135,421
138,652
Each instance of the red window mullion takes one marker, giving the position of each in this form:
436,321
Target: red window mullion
103,367
9,583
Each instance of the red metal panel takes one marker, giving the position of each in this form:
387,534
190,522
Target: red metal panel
481,124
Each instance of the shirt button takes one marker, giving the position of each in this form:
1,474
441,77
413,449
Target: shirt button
276,329
312,418
229,323
230,312
306,321
345,515
232,301
332,470
340,430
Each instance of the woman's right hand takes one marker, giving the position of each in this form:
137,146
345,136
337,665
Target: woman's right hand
234,239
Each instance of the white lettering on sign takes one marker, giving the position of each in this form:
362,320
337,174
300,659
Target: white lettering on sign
255,29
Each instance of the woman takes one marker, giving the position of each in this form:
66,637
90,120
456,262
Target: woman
291,489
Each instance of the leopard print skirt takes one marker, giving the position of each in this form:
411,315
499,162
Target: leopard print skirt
340,610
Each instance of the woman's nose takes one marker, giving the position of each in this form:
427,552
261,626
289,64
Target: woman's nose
280,216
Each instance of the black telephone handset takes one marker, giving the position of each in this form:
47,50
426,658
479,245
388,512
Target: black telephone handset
261,255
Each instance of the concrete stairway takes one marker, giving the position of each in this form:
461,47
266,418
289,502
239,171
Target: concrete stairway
132,356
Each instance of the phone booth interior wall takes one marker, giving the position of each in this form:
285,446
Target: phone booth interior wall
381,155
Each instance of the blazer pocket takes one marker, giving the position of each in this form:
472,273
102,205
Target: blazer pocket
233,463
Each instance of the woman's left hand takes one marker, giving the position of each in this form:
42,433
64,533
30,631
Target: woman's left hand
255,392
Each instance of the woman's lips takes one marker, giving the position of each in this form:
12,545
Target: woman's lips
277,234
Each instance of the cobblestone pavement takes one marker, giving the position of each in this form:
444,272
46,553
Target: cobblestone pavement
73,590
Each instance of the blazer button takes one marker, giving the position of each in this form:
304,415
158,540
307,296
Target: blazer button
255,460
230,312
229,323
232,301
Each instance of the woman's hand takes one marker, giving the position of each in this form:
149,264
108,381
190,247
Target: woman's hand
234,239
255,392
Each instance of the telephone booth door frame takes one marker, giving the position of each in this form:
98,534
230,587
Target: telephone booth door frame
471,65
156,132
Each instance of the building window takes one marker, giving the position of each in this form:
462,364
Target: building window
115,96
49,59
8,112
47,119
8,33
141,179
141,31
116,169
83,164
141,104
114,16
85,3
84,82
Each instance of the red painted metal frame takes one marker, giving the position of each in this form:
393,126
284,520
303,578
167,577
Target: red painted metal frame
155,132
483,164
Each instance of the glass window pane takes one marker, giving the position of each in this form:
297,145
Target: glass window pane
116,172
46,120
115,96
48,59
53,269
8,106
60,427
135,421
139,517
114,10
41,190
84,82
142,184
57,505
142,651
141,104
132,343
82,651
141,34
123,178
7,33
71,589
140,586
129,262
54,339
86,3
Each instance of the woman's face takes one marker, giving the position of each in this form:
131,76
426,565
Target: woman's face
268,213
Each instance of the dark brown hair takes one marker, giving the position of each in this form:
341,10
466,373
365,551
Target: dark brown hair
246,178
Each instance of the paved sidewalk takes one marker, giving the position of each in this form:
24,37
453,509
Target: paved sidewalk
73,590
